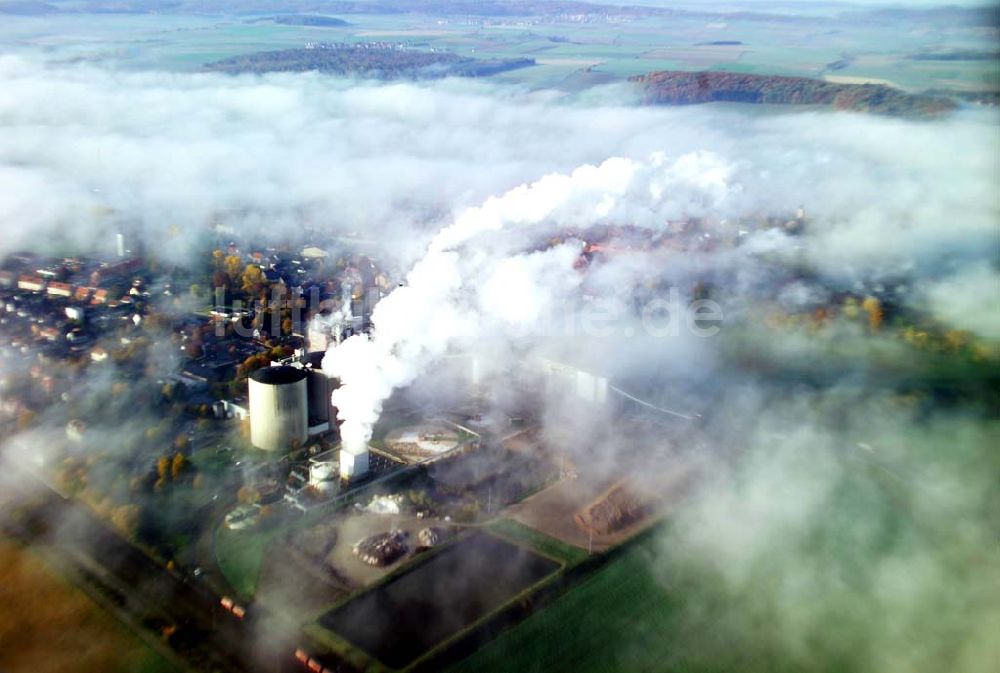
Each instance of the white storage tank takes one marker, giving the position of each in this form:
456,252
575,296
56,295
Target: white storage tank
323,474
279,408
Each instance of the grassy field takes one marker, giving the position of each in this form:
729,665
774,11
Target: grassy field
816,594
635,614
516,532
49,626
619,620
240,555
210,461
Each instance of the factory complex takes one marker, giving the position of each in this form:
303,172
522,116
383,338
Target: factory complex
237,478
229,469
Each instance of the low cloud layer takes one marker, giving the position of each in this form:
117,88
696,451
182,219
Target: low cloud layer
868,541
83,150
443,170
969,299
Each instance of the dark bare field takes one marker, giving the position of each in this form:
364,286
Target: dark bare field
398,621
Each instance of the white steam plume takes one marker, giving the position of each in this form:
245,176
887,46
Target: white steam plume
451,292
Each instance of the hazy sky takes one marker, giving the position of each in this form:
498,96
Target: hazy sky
795,4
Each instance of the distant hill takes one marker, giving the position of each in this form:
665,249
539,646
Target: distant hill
374,61
987,15
671,87
978,97
310,20
26,7
956,55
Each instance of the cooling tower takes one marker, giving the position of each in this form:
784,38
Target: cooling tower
279,408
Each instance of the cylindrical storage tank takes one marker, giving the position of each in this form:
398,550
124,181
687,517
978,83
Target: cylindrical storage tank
322,470
323,474
279,408
318,387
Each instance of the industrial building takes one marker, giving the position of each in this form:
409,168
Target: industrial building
279,408
353,464
323,331
565,379
322,415
319,386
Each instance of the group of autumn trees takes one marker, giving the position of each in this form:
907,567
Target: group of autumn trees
674,87
366,60
259,360
870,313
249,283
174,468
237,277
98,482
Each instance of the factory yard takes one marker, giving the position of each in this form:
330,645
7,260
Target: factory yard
358,526
552,511
399,621
257,562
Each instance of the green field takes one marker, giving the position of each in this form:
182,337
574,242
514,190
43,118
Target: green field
891,570
240,555
564,49
529,537
620,620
